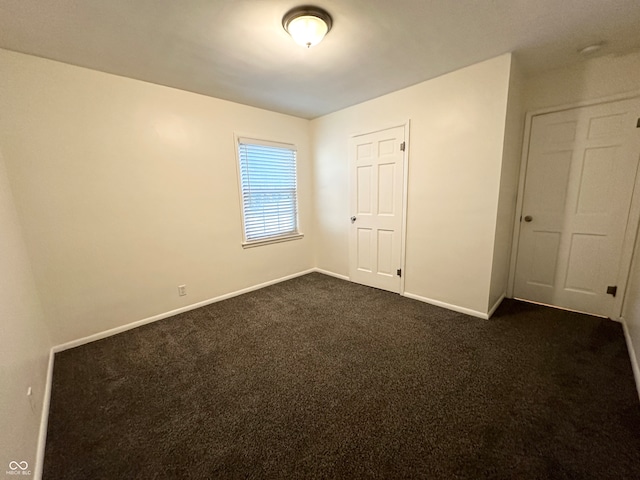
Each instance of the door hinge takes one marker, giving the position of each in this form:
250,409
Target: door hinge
399,272
612,290
403,145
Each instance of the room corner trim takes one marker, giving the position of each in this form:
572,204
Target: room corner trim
448,306
161,316
44,419
493,309
632,355
332,274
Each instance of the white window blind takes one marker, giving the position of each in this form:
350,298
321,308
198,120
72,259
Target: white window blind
269,192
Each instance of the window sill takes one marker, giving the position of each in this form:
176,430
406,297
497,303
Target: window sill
268,241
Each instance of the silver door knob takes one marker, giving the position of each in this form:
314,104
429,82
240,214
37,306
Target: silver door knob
528,218
353,219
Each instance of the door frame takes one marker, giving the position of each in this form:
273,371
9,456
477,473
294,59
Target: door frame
405,187
633,220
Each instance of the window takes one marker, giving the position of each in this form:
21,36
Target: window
268,190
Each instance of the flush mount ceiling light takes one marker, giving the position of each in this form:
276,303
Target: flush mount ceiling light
307,25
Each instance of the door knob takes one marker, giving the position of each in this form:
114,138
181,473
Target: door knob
353,219
528,218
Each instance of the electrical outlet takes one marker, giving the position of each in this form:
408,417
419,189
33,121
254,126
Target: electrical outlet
182,290
33,402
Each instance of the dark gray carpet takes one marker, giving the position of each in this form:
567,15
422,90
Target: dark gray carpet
320,378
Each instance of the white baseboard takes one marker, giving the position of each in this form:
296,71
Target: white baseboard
496,305
161,316
632,355
155,318
98,336
448,306
46,402
332,274
44,419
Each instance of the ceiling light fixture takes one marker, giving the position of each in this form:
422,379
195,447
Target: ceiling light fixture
307,25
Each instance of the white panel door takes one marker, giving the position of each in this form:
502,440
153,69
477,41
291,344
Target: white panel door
580,178
377,178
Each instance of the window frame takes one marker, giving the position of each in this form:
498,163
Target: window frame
254,140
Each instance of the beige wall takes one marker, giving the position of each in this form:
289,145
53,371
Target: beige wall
128,189
456,145
631,310
596,78
24,343
511,159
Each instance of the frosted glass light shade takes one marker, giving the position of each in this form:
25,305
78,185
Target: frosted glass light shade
307,25
308,30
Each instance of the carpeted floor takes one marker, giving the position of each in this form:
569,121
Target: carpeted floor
321,378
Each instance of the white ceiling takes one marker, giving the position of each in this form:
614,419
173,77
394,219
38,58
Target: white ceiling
237,49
